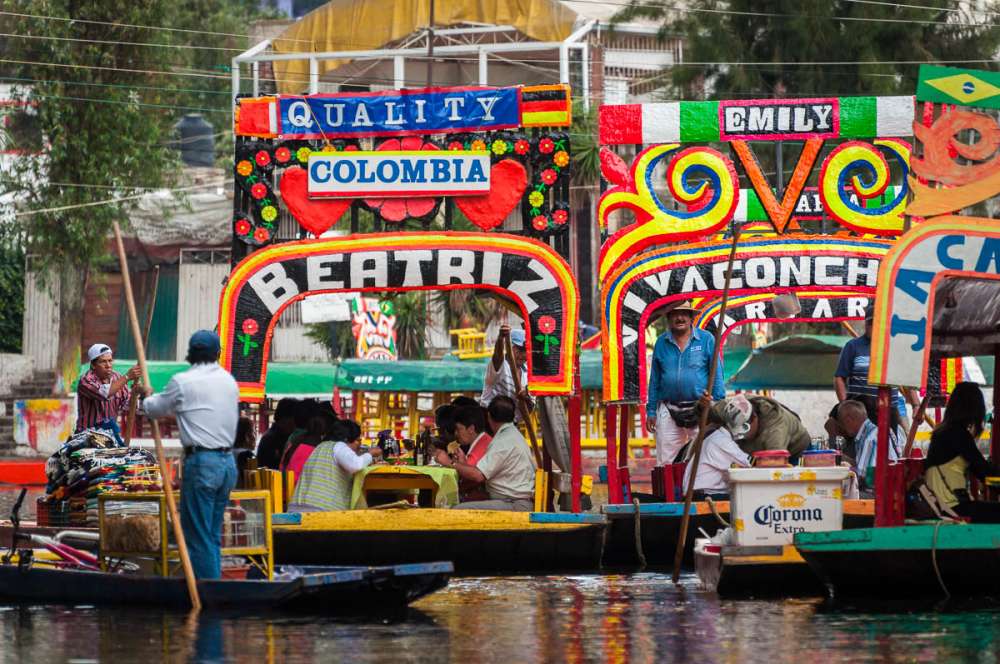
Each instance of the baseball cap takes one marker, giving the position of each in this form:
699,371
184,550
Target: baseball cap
97,350
736,413
204,340
517,338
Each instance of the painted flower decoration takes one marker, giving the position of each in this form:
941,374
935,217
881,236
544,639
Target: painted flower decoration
398,209
282,155
242,226
269,213
560,216
536,198
259,190
302,154
549,176
499,147
561,159
244,168
546,324
540,222
478,144
546,146
263,158
251,327
521,146
455,146
262,235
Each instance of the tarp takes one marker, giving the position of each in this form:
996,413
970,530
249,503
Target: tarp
357,25
800,362
445,375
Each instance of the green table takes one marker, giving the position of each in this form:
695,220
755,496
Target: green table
441,482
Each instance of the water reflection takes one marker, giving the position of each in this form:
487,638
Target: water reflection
639,618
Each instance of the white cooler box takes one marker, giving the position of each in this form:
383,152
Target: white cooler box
769,505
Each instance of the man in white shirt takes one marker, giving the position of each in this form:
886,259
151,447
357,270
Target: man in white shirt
205,399
719,453
506,468
499,381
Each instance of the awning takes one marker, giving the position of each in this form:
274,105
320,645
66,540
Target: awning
359,25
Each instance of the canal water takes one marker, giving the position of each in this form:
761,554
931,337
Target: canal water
622,618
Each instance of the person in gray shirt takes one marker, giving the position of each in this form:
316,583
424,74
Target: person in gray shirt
205,399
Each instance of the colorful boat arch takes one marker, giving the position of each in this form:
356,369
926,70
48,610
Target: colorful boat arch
944,247
806,265
526,271
817,306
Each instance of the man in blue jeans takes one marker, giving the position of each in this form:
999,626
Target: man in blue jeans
205,400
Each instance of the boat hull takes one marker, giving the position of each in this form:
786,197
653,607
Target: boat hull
327,589
477,542
891,563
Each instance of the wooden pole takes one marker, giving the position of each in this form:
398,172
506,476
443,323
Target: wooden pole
703,421
133,400
168,490
521,406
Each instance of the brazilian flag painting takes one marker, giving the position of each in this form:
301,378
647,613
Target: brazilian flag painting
966,87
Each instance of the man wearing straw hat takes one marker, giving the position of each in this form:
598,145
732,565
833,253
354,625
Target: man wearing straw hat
205,400
678,379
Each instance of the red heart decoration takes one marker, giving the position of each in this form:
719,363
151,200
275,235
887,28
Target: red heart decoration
508,180
316,216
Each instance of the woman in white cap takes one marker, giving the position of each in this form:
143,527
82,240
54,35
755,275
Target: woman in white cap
103,393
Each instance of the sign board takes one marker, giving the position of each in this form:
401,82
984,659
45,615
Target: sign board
404,112
399,173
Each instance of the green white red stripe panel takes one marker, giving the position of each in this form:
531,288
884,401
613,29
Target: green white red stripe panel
756,119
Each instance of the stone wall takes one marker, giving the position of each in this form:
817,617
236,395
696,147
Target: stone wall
14,368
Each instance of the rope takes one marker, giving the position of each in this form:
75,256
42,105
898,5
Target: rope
715,512
638,536
937,570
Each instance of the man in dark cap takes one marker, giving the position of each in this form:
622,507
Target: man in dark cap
205,399
850,381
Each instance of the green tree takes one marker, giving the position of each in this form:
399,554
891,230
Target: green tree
108,81
774,48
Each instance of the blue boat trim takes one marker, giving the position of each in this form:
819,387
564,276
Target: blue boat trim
422,568
286,519
565,517
649,509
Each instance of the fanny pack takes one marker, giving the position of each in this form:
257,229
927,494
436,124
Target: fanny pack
684,413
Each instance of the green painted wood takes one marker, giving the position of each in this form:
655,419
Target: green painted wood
951,85
950,536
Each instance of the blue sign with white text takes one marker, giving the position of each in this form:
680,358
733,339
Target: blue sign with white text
398,113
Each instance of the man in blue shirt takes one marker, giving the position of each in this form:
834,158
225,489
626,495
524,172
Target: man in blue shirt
678,377
851,378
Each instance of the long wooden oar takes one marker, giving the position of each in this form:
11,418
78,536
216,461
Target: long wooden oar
915,424
703,421
140,352
133,401
515,372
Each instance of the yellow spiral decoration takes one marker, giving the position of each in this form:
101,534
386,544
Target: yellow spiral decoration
871,177
655,222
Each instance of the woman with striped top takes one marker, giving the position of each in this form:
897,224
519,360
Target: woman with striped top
328,475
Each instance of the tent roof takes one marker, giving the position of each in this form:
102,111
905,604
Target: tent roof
357,25
799,362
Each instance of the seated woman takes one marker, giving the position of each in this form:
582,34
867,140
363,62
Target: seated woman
953,455
470,432
327,477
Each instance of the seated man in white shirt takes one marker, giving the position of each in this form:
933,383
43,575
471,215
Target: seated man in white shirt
719,453
506,468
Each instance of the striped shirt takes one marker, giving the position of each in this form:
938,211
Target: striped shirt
501,382
93,403
328,477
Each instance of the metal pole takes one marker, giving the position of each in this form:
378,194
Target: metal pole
430,48
703,422
576,455
133,401
168,491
